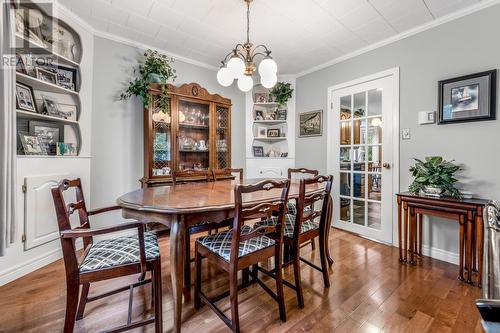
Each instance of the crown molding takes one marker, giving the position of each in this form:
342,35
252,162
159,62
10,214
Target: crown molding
130,42
427,26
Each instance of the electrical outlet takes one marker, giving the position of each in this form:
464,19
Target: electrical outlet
405,134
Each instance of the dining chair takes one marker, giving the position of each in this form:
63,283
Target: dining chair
105,259
244,247
300,173
220,174
190,176
303,227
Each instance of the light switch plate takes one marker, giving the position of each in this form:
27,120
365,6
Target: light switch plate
426,117
405,134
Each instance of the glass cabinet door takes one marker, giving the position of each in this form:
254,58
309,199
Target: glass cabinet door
193,135
222,136
162,141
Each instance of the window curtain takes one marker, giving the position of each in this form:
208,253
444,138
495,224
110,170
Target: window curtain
7,133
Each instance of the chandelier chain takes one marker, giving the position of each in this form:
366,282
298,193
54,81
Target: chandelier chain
248,21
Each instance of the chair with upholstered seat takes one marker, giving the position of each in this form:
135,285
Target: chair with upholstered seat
120,256
304,226
242,247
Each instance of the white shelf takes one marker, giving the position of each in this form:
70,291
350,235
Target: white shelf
21,40
270,121
42,85
33,115
271,138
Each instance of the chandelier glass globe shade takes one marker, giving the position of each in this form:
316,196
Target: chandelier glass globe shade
245,83
268,67
236,67
224,77
269,81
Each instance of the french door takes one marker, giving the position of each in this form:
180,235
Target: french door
361,155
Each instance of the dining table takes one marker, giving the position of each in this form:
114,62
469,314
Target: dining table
184,205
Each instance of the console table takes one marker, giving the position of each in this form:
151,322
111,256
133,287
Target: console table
467,212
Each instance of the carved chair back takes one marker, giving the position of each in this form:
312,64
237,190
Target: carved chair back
301,173
191,175
260,210
314,199
217,173
64,212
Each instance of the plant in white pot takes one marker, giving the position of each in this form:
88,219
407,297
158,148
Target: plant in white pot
434,176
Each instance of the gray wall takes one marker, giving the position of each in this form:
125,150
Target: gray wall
464,46
117,126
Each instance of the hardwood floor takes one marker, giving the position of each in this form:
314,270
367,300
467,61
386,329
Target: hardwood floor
371,292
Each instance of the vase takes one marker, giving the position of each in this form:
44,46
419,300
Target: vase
434,191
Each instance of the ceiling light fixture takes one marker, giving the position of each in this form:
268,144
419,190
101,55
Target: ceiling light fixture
240,64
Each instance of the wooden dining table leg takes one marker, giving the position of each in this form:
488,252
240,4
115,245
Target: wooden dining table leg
405,239
468,245
420,227
177,248
462,244
413,222
400,240
479,240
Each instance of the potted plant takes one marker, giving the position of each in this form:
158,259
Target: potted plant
434,176
281,93
155,69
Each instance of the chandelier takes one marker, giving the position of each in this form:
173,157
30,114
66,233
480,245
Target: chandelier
239,64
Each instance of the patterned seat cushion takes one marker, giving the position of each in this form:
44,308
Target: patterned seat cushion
119,251
292,208
220,243
289,224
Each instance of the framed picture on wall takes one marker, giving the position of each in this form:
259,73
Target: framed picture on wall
311,123
468,98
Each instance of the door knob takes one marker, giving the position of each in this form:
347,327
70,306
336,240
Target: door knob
386,165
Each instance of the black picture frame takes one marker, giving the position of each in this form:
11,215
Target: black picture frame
48,133
482,97
258,151
22,101
66,76
273,132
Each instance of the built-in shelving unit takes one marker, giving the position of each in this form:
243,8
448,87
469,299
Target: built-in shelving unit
270,136
55,95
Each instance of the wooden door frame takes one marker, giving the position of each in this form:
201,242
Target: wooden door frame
394,73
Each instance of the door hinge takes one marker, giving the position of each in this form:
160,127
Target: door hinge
331,105
24,188
23,238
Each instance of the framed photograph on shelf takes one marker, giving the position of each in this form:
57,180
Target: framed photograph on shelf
259,115
468,98
48,134
46,76
258,151
311,123
50,106
31,144
68,111
261,97
281,114
25,99
273,133
66,77
21,63
262,132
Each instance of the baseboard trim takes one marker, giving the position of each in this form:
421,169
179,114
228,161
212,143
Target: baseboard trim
29,266
439,254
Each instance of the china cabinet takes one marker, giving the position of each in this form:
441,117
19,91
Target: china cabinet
193,133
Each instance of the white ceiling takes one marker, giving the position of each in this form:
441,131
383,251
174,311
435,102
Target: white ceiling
301,33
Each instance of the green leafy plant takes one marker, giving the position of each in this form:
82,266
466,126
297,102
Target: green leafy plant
155,68
282,92
435,172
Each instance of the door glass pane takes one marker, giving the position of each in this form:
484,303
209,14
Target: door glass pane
358,208
359,158
345,183
345,107
193,135
359,105
345,132
358,180
359,131
161,140
374,186
345,159
374,213
374,158
375,102
222,157
345,209
375,130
